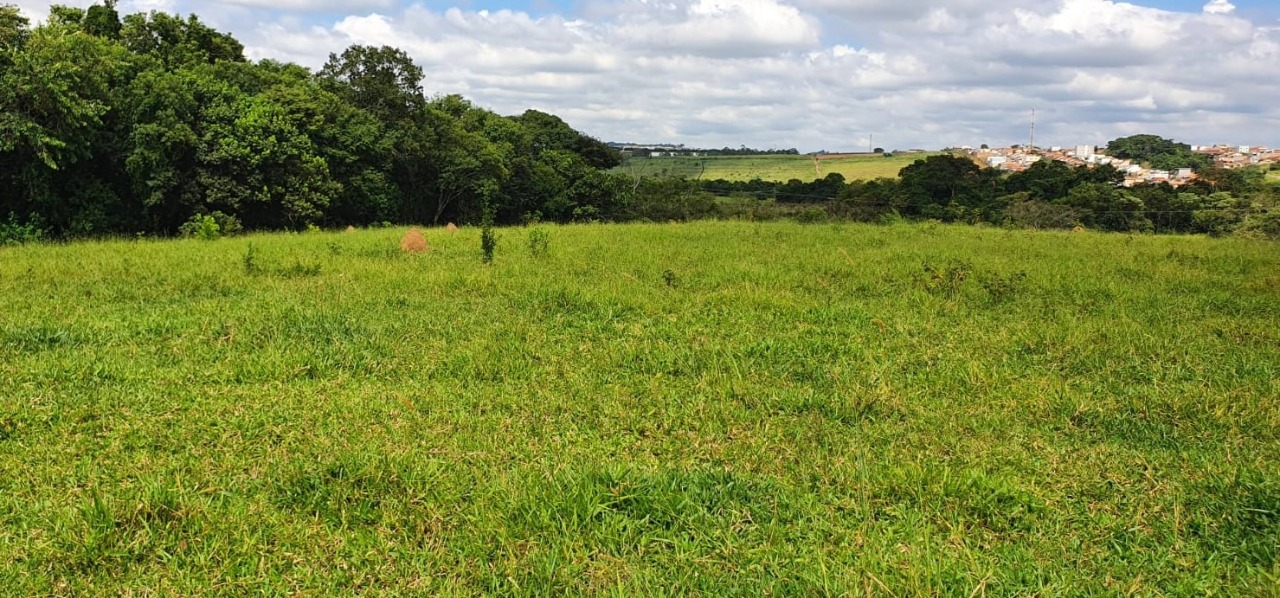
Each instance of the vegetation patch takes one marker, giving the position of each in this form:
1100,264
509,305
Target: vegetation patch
709,408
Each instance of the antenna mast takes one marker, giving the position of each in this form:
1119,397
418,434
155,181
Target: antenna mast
1033,130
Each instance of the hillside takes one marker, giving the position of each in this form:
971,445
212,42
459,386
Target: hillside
780,168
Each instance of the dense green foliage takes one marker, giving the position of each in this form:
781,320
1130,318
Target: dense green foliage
1049,194
146,122
1158,152
641,410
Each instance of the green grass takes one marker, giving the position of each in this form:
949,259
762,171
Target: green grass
779,168
709,409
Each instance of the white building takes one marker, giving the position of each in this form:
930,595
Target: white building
1084,151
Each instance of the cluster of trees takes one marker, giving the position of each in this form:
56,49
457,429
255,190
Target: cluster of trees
1049,194
1158,152
139,124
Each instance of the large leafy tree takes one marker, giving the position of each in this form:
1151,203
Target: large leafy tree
56,92
550,133
256,161
177,42
1158,152
382,80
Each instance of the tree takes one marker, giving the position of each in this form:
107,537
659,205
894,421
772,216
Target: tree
256,161
382,80
1108,207
1160,153
932,184
176,42
1046,180
102,20
550,133
14,30
464,165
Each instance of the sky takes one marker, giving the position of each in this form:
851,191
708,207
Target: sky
835,75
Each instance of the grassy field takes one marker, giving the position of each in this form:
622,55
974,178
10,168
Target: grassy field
780,168
709,409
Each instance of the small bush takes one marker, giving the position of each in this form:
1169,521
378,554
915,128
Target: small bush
1027,213
201,226
539,243
1264,225
813,215
227,225
488,240
250,261
16,233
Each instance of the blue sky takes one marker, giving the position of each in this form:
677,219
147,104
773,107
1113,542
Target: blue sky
813,74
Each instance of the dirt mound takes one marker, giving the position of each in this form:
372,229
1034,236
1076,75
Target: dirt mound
414,242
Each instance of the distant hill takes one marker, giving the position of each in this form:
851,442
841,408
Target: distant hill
779,168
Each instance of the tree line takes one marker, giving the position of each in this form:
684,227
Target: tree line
142,123
151,123
1048,194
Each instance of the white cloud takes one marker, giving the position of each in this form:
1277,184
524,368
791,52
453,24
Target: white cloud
820,74
1219,7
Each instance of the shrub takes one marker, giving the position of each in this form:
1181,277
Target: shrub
1262,225
488,240
16,233
1030,213
539,243
250,261
813,215
227,225
201,226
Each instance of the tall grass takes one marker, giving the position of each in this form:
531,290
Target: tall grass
711,408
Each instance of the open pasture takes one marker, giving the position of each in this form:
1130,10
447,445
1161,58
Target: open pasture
698,409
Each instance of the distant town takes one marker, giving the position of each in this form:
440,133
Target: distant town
1019,158
1015,158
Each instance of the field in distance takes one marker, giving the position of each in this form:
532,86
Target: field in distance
780,168
678,409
